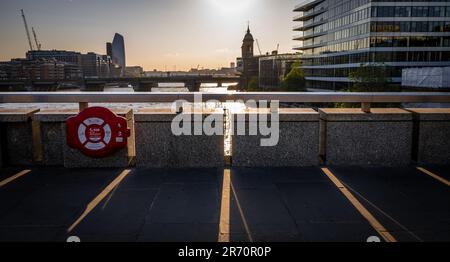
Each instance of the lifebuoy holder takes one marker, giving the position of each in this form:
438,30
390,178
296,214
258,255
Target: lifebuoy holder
97,132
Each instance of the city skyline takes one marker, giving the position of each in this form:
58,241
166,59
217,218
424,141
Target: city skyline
154,38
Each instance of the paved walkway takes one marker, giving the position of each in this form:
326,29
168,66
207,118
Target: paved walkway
275,204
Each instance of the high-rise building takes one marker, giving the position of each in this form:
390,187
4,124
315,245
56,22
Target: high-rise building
118,53
338,36
109,49
95,65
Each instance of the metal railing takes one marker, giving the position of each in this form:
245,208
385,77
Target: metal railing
84,98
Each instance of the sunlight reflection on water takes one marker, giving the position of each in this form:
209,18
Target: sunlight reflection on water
208,88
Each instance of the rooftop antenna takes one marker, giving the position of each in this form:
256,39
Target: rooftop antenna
26,29
38,45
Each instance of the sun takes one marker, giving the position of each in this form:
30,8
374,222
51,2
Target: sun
232,6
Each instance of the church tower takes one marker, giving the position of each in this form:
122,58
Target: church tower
247,45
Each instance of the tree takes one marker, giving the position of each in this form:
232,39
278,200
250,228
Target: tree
371,79
253,84
295,80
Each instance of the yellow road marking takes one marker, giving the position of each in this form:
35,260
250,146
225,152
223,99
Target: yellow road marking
431,174
361,209
91,206
224,225
14,177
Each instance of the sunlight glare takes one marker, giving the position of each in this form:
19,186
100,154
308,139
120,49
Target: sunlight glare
232,6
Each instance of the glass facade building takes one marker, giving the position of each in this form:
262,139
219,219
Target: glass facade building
118,53
337,36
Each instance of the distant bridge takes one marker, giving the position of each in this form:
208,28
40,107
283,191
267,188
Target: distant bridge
144,84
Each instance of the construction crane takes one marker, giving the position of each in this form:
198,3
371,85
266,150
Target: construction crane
38,44
259,49
27,30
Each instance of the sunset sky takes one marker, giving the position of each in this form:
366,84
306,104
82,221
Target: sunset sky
159,34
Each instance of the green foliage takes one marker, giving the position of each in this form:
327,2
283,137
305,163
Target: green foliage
295,80
370,79
253,85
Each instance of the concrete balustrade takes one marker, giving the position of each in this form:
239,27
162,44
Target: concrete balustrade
342,137
298,143
158,147
432,136
19,137
56,152
380,138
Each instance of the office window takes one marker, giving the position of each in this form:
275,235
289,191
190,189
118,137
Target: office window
405,26
418,41
446,42
419,26
437,11
400,56
419,11
420,56
382,57
400,41
445,56
384,42
436,26
433,41
446,27
403,11
435,56
385,11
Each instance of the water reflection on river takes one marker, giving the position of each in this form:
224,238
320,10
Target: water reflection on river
206,88
164,87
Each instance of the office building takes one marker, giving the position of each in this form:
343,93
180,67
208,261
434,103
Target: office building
3,75
336,37
118,53
273,69
109,49
44,69
95,65
58,55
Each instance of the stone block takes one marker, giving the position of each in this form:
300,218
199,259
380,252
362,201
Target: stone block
298,140
380,138
158,147
18,137
432,135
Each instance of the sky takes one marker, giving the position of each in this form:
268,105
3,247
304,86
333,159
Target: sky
159,34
